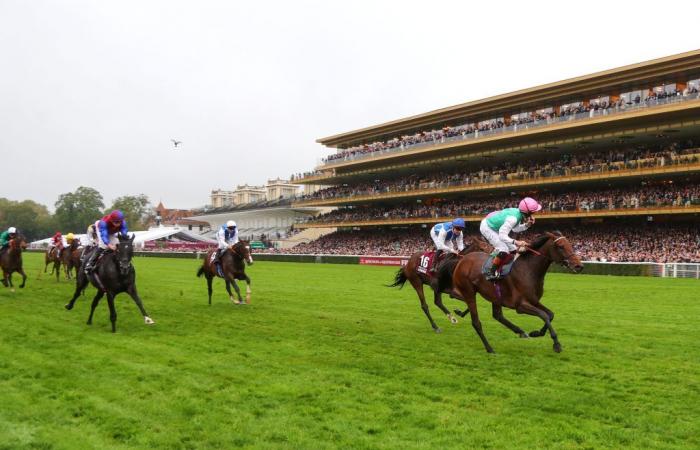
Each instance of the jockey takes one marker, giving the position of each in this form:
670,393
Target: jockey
69,239
226,236
106,230
5,237
57,241
444,233
496,228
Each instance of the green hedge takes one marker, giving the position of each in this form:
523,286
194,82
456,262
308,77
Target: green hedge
636,270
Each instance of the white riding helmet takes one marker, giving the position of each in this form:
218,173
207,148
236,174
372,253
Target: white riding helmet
12,230
230,224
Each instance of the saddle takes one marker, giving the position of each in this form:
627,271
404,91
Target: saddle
505,269
426,262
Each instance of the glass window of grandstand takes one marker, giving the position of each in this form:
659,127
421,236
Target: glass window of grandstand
694,86
490,124
523,117
544,113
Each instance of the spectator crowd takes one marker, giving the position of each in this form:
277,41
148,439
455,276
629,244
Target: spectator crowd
574,110
685,152
646,242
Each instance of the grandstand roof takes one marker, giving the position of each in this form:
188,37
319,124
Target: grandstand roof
592,84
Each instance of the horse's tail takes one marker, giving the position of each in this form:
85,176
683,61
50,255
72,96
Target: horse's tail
399,279
200,272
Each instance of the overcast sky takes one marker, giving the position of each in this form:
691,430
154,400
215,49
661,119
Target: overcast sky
91,92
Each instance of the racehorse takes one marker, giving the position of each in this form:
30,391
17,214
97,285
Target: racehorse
113,275
70,257
440,283
11,261
521,290
233,267
53,255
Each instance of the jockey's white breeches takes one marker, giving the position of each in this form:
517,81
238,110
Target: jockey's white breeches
494,239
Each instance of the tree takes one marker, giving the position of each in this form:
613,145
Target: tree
31,219
136,208
75,210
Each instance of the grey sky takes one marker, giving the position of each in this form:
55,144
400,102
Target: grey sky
91,92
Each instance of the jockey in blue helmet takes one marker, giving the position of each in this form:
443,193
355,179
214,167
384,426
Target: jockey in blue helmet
443,235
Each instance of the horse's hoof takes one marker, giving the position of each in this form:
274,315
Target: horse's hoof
68,306
438,330
535,333
453,319
557,348
89,322
524,335
148,320
247,299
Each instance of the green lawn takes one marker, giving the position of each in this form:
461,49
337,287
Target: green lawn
327,357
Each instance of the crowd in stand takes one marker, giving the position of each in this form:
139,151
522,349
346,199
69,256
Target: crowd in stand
613,243
662,195
598,106
685,152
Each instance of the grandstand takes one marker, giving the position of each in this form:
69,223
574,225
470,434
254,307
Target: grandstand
614,153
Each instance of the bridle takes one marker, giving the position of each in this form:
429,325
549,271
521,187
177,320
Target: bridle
568,257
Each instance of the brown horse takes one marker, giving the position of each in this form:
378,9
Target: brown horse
441,283
11,261
53,255
233,267
521,290
70,257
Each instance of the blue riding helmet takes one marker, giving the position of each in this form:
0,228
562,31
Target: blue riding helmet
458,222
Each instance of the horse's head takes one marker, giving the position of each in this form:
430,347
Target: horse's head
18,243
478,245
242,249
558,248
124,252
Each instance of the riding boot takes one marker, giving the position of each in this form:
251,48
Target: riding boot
90,265
217,261
498,261
436,261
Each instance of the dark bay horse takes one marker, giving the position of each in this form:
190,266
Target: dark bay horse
53,255
11,261
70,257
440,283
113,275
233,266
521,290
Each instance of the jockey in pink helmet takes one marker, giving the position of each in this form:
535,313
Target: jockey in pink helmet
496,228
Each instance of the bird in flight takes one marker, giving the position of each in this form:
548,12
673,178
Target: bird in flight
176,143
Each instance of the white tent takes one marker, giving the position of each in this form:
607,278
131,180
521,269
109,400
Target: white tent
151,234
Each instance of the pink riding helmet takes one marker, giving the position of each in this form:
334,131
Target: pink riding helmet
529,205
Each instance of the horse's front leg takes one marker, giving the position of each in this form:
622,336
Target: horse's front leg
527,308
238,291
497,311
139,304
95,302
542,331
247,289
112,311
230,294
9,281
24,278
438,302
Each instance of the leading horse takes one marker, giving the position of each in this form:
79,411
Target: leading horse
521,290
113,275
440,283
232,267
11,261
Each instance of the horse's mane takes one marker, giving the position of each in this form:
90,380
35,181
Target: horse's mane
542,239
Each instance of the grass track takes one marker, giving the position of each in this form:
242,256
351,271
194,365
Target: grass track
325,357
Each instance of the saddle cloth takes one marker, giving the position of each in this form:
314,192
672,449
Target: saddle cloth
426,261
505,269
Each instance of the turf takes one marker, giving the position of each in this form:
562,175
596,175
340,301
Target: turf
327,357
